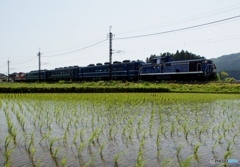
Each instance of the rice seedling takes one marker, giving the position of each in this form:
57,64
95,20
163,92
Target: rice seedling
7,142
166,163
110,132
186,162
116,158
75,137
80,149
7,155
179,148
229,145
55,152
195,151
81,134
186,131
45,136
235,135
52,141
227,154
64,161
220,139
172,129
140,159
65,135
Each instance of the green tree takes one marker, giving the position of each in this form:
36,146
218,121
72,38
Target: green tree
149,60
183,55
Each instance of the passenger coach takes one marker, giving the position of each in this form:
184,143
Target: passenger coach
125,70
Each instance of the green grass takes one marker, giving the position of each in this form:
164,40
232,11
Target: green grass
118,86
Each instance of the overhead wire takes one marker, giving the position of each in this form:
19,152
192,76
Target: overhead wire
71,46
203,15
3,65
180,29
59,54
185,43
24,61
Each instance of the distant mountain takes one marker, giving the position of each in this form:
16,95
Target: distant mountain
230,64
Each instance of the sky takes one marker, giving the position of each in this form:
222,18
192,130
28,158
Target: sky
75,32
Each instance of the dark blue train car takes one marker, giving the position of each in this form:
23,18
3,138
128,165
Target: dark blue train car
125,70
34,75
164,68
64,73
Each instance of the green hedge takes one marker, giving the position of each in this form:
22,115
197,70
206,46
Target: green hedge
82,90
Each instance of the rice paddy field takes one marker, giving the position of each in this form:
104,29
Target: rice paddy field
124,129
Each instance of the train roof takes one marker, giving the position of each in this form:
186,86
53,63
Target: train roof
34,71
189,60
97,65
115,63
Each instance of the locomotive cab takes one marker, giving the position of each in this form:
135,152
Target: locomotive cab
156,60
161,60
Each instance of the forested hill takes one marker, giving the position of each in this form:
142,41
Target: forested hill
230,64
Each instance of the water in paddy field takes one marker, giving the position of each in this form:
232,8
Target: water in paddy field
130,133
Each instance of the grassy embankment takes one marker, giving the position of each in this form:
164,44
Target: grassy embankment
118,86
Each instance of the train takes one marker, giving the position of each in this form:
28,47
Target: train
161,68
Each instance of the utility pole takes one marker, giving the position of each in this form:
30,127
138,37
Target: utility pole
110,53
8,69
39,66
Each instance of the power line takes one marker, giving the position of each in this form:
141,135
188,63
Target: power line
76,49
211,13
186,43
24,61
72,45
180,29
3,65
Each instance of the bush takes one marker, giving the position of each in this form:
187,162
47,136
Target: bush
230,80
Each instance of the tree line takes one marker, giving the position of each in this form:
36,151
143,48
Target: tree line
182,55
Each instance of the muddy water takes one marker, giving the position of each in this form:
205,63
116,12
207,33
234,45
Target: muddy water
92,134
